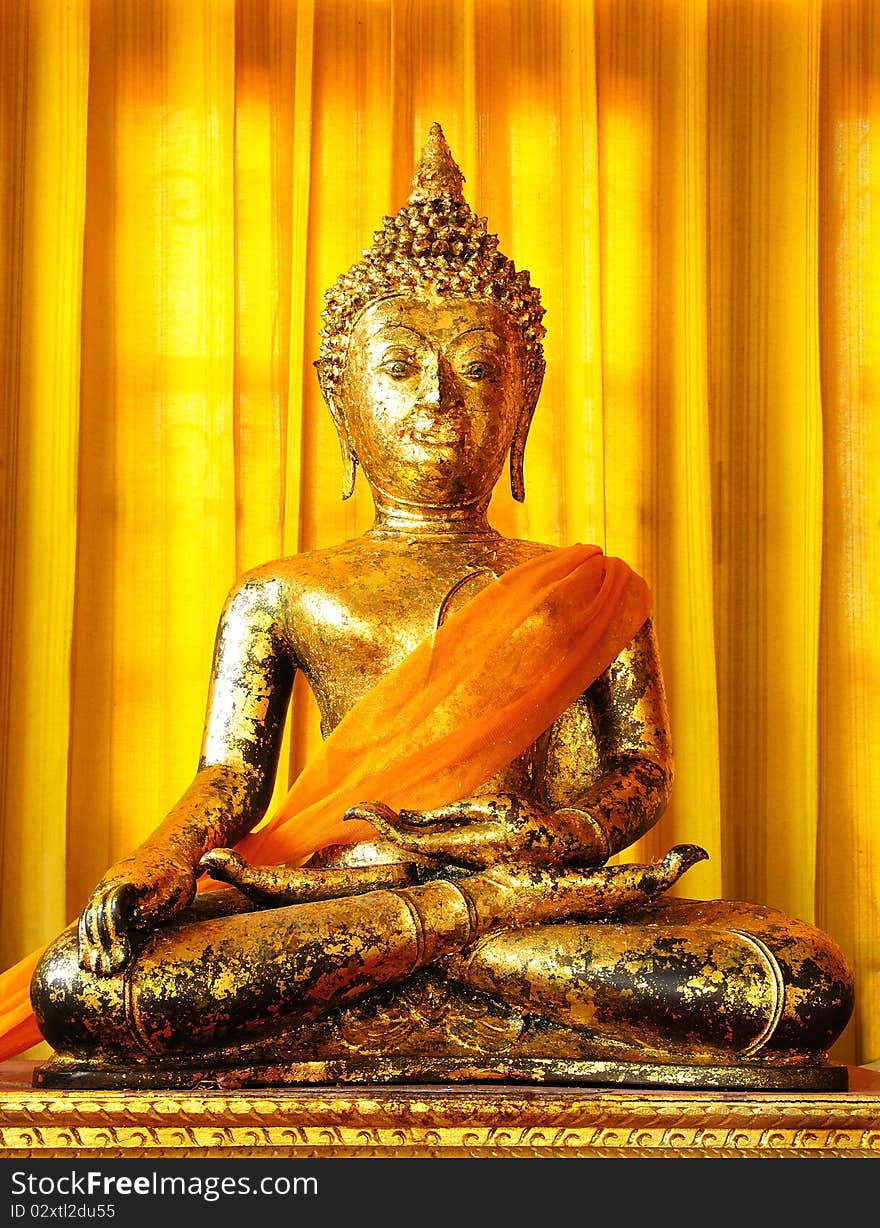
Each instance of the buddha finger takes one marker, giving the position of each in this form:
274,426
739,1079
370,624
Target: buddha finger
121,908
84,944
118,915
108,950
109,947
619,888
457,816
474,845
384,819
274,885
118,955
495,807
225,866
104,926
102,963
389,823
443,818
381,816
89,941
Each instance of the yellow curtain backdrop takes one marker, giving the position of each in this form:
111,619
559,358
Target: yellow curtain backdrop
690,183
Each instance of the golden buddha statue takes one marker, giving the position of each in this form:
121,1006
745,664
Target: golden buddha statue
453,917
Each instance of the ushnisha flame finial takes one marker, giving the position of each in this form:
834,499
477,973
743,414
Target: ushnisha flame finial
437,173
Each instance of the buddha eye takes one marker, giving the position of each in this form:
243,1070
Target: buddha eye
397,368
478,370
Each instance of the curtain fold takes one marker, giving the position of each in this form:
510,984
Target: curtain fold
157,534
652,177
44,82
848,836
767,440
691,186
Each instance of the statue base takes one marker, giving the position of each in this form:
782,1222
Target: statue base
66,1073
437,1121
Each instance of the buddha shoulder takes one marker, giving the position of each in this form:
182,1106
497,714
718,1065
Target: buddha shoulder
369,577
372,568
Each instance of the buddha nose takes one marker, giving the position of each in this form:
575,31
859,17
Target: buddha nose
437,384
429,386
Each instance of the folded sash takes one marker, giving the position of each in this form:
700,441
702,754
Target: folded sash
466,701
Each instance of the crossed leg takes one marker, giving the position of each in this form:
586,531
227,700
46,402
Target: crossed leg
686,980
677,980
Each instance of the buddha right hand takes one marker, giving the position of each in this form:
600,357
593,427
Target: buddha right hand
483,830
137,893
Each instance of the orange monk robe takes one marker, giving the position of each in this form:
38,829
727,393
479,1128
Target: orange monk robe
464,703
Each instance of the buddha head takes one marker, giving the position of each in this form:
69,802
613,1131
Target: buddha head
431,357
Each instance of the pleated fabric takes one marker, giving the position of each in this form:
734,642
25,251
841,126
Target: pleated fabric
690,184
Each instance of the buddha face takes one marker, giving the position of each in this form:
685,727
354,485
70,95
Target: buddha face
431,394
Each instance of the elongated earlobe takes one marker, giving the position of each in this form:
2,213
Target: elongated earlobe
349,456
517,454
349,460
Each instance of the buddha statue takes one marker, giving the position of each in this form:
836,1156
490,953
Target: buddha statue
496,732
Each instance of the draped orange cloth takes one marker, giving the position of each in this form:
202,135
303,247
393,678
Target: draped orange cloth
464,703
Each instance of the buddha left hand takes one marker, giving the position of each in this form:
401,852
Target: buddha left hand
481,831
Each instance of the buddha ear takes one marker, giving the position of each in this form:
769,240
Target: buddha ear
349,459
349,456
518,446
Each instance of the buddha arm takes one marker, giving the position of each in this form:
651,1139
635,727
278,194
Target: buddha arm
250,688
602,779
609,761
251,680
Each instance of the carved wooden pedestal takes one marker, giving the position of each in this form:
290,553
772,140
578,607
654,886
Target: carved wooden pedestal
437,1121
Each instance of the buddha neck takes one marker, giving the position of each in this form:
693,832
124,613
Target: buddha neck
397,519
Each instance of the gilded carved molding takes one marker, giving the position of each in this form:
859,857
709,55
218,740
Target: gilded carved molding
438,1122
